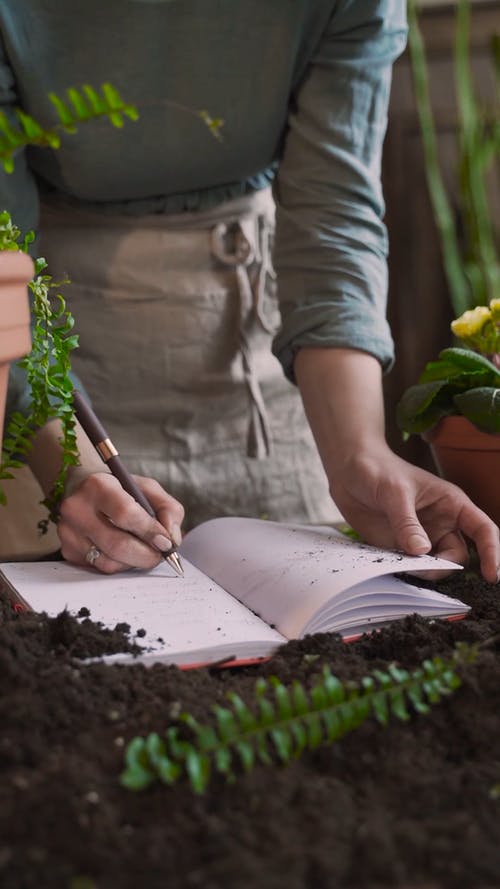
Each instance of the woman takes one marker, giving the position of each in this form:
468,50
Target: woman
167,234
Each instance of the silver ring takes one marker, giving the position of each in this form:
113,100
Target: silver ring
92,555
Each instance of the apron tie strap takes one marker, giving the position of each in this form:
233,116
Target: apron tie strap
251,246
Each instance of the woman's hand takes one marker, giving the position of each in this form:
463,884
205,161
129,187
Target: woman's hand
389,502
396,505
100,524
100,514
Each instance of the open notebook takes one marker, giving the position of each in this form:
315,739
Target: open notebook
249,586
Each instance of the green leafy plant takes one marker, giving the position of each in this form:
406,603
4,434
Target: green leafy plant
48,365
461,381
469,238
283,722
47,368
77,107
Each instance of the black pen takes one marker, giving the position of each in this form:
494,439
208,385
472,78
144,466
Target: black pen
110,456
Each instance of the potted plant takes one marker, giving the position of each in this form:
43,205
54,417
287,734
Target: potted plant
456,407
456,403
16,270
48,363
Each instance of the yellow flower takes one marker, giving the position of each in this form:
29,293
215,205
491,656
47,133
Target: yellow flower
495,309
471,322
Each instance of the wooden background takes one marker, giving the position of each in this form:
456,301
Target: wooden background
419,308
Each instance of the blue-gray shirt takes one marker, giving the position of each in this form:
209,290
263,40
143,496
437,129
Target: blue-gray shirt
302,86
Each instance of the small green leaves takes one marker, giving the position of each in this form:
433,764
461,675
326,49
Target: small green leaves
284,722
460,382
482,407
77,107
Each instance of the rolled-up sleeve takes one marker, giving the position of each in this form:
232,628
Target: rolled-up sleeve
331,243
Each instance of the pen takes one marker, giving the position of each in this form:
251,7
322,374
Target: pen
105,448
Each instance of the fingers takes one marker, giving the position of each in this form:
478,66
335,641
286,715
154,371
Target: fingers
116,551
409,534
485,535
434,510
415,511
451,547
102,514
168,510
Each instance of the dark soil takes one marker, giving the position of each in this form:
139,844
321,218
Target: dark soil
411,806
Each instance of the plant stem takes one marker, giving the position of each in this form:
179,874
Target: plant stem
455,275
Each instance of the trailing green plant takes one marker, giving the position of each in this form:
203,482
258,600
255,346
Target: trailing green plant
473,269
283,722
48,365
77,107
47,369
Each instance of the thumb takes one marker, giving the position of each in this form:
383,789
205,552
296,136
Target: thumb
409,534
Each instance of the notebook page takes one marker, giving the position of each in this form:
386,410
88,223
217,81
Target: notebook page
179,614
286,573
383,598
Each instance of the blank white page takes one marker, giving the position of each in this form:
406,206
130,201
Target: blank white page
187,615
287,573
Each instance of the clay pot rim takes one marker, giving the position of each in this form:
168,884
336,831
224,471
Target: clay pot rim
458,432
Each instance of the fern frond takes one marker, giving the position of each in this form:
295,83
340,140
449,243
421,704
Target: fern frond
77,107
286,721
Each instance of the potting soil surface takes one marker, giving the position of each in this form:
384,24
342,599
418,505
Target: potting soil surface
414,805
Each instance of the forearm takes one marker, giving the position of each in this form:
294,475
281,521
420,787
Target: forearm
388,501
45,457
343,400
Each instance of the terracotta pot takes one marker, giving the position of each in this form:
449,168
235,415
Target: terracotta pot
469,458
16,270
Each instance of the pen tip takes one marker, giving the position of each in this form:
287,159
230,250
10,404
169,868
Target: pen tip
175,562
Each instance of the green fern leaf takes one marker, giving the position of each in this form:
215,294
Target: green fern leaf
283,700
314,731
226,724
298,720
13,137
245,716
299,736
416,696
64,113
246,754
205,734
198,769
261,749
282,743
83,110
94,99
266,709
300,699
30,127
334,725
223,760
398,705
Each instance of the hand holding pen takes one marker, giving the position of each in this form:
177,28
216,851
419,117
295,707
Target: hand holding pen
117,536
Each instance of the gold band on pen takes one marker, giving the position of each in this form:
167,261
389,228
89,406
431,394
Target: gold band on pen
106,449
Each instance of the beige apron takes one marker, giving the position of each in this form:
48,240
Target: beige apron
176,316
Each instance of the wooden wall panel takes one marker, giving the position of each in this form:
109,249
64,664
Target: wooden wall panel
419,307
